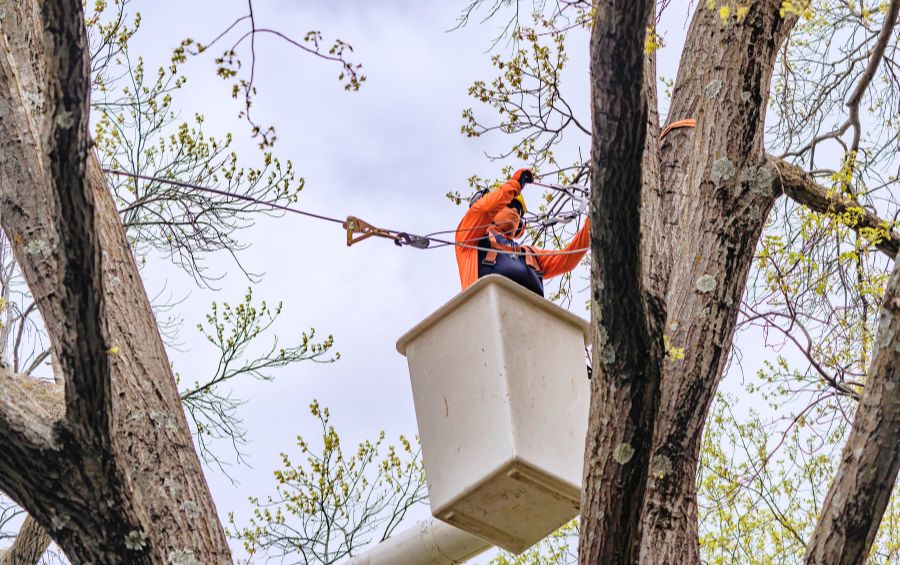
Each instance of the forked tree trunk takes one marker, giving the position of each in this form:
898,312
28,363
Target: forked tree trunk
722,190
701,218
117,479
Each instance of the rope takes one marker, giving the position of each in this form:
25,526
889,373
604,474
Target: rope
400,237
521,253
223,193
563,189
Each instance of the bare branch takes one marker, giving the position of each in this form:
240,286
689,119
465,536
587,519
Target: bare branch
229,63
884,36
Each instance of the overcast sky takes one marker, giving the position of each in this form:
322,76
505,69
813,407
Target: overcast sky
387,154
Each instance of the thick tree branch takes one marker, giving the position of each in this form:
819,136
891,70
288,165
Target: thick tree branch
82,345
31,543
801,187
28,410
866,476
26,433
32,539
21,37
627,346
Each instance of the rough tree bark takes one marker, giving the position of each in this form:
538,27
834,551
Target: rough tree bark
720,199
116,480
627,344
32,540
702,222
31,543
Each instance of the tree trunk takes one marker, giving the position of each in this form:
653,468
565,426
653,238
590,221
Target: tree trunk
701,224
627,345
722,189
117,479
702,209
871,458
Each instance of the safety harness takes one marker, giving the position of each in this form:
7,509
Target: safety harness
490,257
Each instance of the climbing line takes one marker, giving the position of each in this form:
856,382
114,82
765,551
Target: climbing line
444,243
357,229
222,193
565,189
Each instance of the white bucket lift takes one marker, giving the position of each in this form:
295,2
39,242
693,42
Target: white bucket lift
501,395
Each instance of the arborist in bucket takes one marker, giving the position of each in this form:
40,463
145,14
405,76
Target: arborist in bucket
492,225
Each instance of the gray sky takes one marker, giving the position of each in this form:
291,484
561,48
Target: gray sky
387,154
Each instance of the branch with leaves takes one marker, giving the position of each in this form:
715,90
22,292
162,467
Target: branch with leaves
327,508
233,331
138,131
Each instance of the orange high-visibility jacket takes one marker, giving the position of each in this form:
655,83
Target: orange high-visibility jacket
474,227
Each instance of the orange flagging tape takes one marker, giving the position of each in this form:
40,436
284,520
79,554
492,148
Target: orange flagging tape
689,123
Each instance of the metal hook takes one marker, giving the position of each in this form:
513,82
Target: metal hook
416,241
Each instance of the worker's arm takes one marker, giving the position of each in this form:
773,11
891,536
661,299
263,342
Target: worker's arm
554,263
475,223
